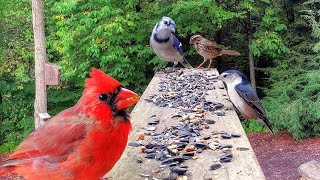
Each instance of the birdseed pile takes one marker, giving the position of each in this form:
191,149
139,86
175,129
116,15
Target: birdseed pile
185,140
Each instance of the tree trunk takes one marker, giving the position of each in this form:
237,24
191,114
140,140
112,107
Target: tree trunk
250,55
40,104
251,64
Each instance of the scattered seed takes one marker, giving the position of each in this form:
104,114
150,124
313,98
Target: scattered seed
226,146
139,136
142,149
225,159
195,157
150,156
225,136
235,135
134,144
144,175
200,145
157,170
179,170
210,121
139,159
242,149
150,128
219,113
215,166
188,154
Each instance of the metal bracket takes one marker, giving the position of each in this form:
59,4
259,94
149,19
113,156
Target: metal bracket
44,116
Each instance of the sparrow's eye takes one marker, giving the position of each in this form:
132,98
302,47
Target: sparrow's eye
104,97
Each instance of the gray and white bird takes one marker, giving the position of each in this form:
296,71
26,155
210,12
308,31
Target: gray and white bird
243,97
165,44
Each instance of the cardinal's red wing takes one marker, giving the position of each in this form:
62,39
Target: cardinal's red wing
54,141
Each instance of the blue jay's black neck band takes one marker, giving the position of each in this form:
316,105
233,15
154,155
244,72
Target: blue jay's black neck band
159,40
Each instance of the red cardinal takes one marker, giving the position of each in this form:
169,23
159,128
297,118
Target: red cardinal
82,142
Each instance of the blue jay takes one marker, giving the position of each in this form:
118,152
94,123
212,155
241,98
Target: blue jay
243,97
165,44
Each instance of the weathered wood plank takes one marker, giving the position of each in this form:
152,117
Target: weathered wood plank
243,166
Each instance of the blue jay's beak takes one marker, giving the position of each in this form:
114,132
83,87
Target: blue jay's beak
172,29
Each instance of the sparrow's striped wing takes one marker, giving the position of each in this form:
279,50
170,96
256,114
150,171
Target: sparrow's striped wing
208,49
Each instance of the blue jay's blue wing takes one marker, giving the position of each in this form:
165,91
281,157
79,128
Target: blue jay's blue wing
177,44
250,96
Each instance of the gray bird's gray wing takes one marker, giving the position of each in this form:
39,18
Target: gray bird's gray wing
250,96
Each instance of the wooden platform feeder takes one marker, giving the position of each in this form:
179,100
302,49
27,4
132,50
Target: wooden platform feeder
244,165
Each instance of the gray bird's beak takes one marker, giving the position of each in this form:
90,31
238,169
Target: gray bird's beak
215,78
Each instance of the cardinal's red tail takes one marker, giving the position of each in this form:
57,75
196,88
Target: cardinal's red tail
230,52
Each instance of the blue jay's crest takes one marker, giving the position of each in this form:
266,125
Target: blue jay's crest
165,23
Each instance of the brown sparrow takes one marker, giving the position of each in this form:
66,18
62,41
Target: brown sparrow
209,50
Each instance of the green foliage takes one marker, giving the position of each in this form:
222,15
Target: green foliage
114,36
267,39
16,69
85,34
16,117
253,126
199,16
293,97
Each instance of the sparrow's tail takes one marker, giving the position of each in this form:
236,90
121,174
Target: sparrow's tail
185,63
230,52
267,123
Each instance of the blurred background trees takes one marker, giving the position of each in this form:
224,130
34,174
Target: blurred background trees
279,43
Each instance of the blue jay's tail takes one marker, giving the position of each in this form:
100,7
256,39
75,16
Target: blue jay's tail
267,123
185,63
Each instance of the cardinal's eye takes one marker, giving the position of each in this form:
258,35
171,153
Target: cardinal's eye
104,97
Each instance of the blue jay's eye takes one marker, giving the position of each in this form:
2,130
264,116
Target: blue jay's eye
225,76
165,22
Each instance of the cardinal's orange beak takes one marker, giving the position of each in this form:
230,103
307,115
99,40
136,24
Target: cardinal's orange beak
125,99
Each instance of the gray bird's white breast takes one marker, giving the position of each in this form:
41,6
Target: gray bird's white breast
246,110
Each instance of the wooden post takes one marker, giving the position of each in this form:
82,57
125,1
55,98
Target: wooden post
40,104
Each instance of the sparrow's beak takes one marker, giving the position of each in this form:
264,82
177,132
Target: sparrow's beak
125,99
